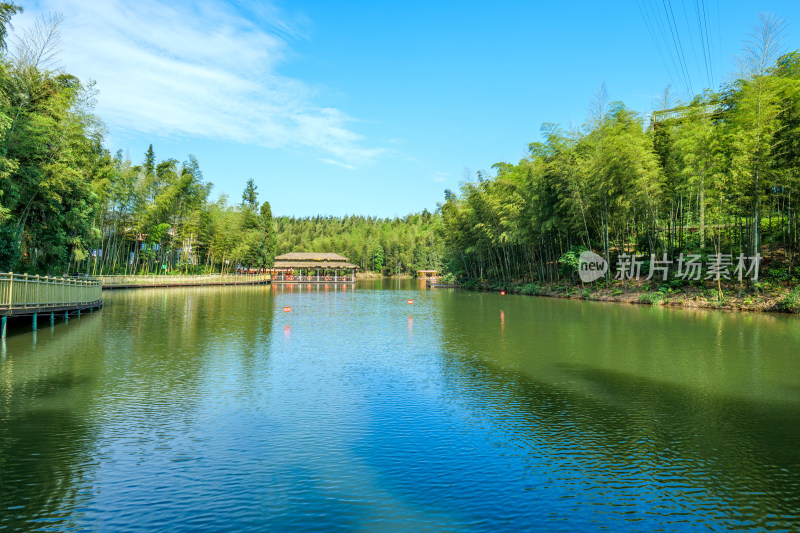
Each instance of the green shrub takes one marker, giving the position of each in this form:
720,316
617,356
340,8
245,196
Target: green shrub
653,298
778,274
568,263
676,284
791,302
531,289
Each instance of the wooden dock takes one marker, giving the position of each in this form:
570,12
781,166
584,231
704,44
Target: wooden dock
25,295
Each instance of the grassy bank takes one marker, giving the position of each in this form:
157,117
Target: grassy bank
761,297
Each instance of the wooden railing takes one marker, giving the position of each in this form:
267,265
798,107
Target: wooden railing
22,291
165,279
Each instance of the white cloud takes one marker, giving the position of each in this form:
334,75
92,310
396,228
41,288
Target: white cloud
440,177
201,69
337,163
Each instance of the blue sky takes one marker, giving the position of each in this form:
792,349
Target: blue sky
375,108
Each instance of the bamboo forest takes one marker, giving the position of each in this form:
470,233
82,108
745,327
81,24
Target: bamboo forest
716,174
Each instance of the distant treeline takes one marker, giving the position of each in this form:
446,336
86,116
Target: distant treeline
719,174
374,244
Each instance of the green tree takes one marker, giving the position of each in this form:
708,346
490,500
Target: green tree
250,195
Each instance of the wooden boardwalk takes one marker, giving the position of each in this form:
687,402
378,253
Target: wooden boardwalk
24,295
154,281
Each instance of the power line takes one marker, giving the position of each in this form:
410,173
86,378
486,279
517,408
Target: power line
689,32
719,36
702,40
660,27
668,40
708,41
648,26
676,41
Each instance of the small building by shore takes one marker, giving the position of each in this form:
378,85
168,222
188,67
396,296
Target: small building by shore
427,275
313,267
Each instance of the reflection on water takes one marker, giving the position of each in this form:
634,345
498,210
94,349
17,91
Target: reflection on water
214,408
688,416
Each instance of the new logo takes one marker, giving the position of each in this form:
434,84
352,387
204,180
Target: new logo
591,266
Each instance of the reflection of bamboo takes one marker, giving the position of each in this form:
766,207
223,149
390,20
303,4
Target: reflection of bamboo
612,418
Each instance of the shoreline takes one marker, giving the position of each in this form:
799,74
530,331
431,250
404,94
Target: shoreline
781,299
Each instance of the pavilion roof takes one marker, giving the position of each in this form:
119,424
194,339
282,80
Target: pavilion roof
314,264
311,256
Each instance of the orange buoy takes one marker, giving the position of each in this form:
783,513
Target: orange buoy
502,293
287,309
411,301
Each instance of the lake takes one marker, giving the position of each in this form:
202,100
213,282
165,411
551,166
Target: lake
206,409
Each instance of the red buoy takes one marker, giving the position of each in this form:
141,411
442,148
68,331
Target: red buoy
502,293
411,301
287,309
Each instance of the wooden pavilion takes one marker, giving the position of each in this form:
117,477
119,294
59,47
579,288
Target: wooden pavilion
427,275
313,267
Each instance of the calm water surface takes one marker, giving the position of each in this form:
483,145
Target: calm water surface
213,409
